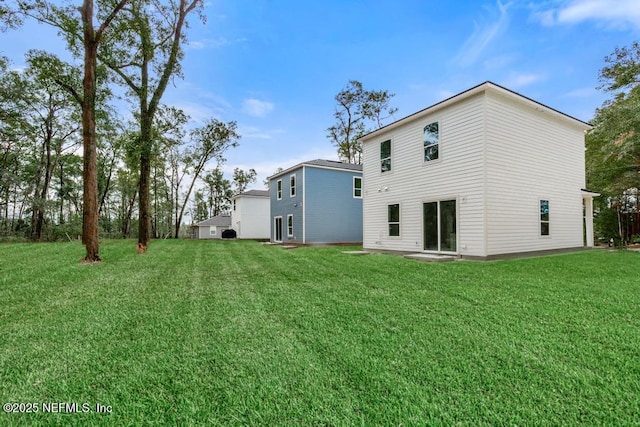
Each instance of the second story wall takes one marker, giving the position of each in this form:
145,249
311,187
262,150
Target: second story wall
533,154
333,214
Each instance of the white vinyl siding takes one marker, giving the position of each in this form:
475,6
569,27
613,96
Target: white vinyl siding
251,219
459,175
532,156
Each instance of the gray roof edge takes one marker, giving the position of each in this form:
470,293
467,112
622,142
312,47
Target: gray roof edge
320,163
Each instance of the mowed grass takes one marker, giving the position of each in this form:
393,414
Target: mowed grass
238,333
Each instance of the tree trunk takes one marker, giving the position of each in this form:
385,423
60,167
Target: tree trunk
144,205
126,231
90,162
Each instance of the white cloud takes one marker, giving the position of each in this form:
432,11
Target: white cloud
213,43
257,133
256,108
584,92
199,113
616,13
516,81
482,37
208,43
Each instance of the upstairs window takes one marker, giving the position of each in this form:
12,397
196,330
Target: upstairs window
544,217
234,204
357,187
385,156
279,189
292,185
393,213
431,140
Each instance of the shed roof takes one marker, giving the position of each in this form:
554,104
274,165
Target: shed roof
254,193
483,87
321,163
218,220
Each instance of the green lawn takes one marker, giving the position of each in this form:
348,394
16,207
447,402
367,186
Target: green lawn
239,333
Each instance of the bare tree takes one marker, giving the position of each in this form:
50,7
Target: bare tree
357,111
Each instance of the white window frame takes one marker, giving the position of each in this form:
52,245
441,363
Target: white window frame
547,221
399,222
290,225
275,227
279,189
424,147
213,230
355,196
292,187
386,158
439,224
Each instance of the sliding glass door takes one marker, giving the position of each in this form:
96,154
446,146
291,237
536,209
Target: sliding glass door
440,232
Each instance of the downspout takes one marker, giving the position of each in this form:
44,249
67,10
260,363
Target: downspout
304,204
485,172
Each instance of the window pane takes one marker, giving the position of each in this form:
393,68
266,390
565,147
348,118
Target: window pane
544,210
448,225
385,165
430,135
394,213
394,230
544,228
430,211
430,153
385,149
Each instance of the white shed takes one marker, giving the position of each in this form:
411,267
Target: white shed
485,173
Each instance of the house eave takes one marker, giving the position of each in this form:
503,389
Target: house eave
476,90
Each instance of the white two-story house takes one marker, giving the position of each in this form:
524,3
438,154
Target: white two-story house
485,173
250,214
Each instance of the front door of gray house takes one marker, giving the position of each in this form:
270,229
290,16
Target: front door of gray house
440,233
277,227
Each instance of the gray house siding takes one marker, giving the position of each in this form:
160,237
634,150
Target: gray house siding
287,206
332,214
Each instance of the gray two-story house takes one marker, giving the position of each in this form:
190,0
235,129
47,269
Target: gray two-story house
319,201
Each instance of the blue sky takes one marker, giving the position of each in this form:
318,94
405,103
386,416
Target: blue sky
274,66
